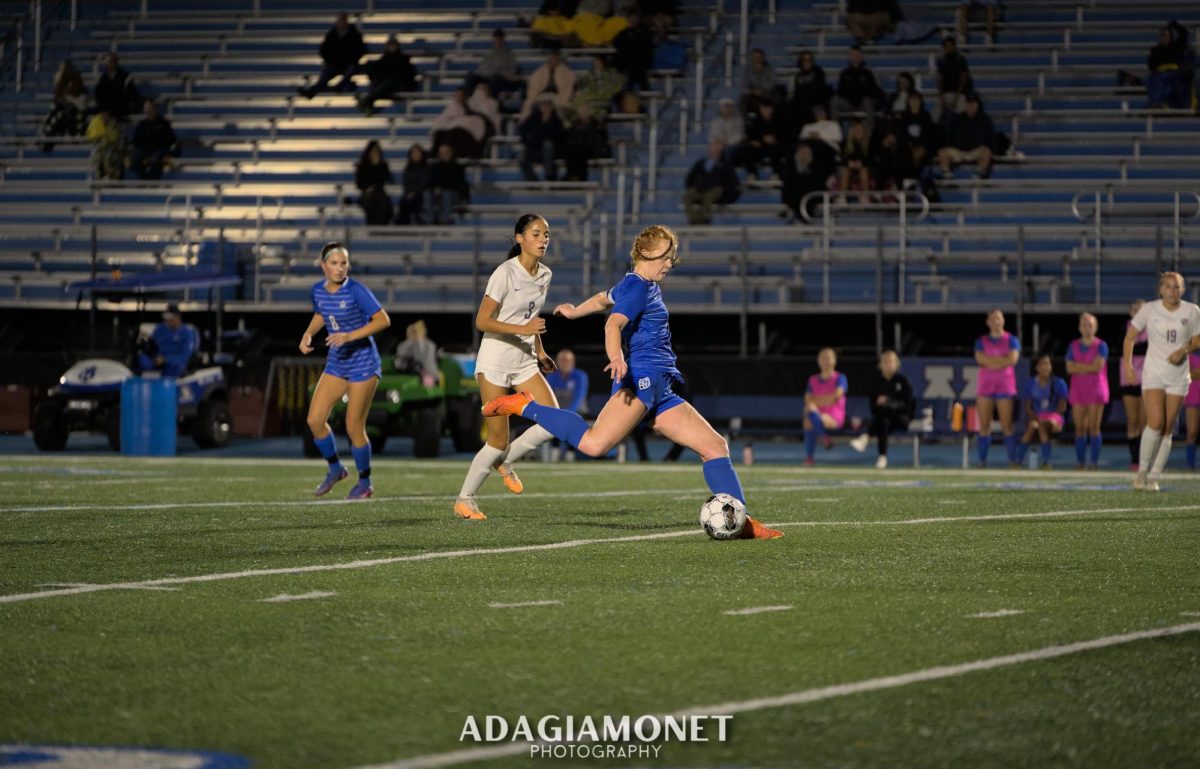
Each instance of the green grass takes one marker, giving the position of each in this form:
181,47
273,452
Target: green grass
390,666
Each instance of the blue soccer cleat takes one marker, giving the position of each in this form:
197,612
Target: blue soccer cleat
361,490
335,474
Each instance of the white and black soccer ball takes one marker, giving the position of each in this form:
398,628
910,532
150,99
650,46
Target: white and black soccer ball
723,516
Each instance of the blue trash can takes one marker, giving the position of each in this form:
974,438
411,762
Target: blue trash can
148,417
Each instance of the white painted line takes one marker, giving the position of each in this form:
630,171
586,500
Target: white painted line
90,584
997,613
469,755
951,502
523,604
824,499
1190,613
568,544
755,610
284,597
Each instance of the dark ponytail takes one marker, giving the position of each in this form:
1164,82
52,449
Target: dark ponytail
519,228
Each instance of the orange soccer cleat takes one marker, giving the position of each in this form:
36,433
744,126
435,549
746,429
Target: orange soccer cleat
509,476
755,530
507,405
468,508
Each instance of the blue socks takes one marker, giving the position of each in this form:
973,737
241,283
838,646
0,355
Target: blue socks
812,435
985,443
1010,447
1097,443
1046,452
1081,442
362,459
328,448
562,424
1191,456
721,477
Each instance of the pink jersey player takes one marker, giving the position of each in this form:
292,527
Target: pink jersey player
1089,388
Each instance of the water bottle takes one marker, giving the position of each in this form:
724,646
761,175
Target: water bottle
1033,458
748,454
956,417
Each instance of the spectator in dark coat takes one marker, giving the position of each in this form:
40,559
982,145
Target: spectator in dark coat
371,176
857,161
711,181
857,90
897,102
417,198
1169,83
154,144
585,139
808,89
634,55
498,68
970,137
759,82
342,48
448,185
68,114
893,158
924,137
808,171
769,136
954,77
391,73
869,20
116,92
541,138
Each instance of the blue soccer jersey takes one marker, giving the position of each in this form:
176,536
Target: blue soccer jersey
347,309
1046,397
647,336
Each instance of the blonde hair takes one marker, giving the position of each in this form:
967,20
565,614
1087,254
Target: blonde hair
655,233
890,354
1163,278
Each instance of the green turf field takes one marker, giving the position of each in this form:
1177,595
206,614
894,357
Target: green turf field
132,613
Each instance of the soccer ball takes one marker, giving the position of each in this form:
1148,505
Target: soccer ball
723,517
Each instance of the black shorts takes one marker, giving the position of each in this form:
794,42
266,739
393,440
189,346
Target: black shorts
1132,391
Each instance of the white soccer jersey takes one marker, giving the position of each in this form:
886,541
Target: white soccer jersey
1166,332
520,296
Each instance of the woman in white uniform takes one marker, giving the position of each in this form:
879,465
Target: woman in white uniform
511,357
1172,328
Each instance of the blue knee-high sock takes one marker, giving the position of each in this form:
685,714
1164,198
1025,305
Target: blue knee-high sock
1081,448
561,423
812,435
1010,447
1022,452
328,448
722,478
362,459
1046,447
1191,456
1097,443
985,443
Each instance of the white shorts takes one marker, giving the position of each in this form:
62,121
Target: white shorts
1174,380
509,378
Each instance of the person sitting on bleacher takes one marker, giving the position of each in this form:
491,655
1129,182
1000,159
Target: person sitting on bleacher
68,114
858,163
116,92
542,135
340,51
769,137
154,144
892,405
824,129
585,139
808,89
727,127
857,90
371,176
809,170
923,134
170,347
555,78
596,89
498,68
964,9
460,127
893,159
418,354
711,181
482,103
392,73
897,102
415,200
595,25
448,185
108,146
869,20
954,78
970,137
634,54
759,82
1169,83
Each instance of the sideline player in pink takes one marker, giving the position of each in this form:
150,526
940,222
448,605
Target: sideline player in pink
824,404
1173,329
1131,390
1192,404
997,353
1087,363
1045,404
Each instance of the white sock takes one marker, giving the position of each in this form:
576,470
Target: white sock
1164,453
527,442
481,467
1150,440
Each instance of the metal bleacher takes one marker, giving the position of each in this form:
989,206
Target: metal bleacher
1097,194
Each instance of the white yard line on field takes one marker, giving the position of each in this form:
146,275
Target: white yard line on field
997,613
755,610
523,604
805,696
285,597
565,545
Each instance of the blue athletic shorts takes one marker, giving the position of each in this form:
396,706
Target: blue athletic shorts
354,365
652,388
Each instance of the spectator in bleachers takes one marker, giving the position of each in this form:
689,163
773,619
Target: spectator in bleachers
728,127
482,103
669,55
552,27
371,176
893,159
555,78
460,127
1169,83
498,68
634,55
892,405
392,73
415,200
808,89
897,103
857,90
711,181
869,20
759,82
108,146
970,137
812,164
823,128
857,162
340,51
154,144
447,185
922,133
595,25
954,78
542,136
418,354
596,90
964,10
68,113
585,139
768,138
116,92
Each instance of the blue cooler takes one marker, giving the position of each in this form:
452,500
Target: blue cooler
148,417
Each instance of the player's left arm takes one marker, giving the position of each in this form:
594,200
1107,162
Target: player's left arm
599,302
379,321
545,363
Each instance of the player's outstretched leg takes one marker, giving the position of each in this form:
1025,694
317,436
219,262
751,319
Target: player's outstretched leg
362,460
723,479
337,472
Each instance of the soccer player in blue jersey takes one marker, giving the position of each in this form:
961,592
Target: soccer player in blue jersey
1045,404
351,315
642,381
